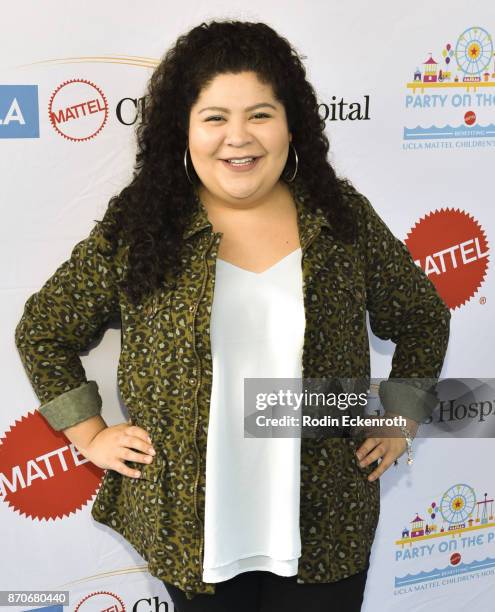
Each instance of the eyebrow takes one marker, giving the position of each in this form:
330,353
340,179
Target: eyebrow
249,108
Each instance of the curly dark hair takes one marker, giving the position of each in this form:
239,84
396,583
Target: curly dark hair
150,213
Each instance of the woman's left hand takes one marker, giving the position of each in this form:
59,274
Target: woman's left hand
387,447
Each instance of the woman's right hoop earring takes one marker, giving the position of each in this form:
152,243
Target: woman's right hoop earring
297,166
185,164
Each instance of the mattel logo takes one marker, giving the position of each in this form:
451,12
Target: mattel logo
78,110
19,116
43,475
452,249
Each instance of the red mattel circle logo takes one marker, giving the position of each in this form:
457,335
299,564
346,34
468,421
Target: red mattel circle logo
452,249
104,601
455,558
469,117
43,475
78,110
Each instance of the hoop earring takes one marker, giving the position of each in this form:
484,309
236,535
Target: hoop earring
185,165
297,165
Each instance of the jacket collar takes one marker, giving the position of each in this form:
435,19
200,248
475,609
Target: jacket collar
307,219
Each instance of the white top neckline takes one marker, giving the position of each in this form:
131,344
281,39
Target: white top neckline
275,265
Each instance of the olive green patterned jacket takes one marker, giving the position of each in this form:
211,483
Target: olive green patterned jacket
165,379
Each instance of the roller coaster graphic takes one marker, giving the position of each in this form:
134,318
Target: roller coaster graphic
459,512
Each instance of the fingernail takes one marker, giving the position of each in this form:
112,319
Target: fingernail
138,474
152,451
149,439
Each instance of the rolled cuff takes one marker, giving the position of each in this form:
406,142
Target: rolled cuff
407,400
73,407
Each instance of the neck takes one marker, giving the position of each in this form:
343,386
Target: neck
279,193
220,211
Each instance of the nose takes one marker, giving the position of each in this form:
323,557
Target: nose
238,133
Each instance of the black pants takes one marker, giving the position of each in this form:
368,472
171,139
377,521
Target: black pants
260,591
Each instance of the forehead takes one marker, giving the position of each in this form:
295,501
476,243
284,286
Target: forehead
240,89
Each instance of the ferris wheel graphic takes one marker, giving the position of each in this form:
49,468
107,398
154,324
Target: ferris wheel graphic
473,51
457,503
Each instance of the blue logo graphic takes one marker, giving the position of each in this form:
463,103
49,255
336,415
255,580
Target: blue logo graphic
19,115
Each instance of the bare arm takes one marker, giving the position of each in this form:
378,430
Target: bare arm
82,434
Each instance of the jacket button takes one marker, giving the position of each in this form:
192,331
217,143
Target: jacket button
191,308
192,380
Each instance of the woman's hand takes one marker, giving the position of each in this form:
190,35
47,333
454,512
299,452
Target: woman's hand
112,445
385,444
388,449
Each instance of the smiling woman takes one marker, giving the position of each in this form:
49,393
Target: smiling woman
235,253
238,154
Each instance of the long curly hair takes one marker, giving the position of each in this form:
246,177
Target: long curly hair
149,215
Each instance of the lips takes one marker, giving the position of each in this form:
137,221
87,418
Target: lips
241,167
239,158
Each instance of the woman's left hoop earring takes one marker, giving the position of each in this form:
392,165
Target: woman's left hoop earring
297,165
185,165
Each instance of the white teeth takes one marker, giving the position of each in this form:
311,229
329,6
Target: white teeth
241,161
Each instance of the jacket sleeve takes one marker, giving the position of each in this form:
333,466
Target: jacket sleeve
60,321
404,307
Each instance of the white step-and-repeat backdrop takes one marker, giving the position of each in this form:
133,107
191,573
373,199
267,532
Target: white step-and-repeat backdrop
408,93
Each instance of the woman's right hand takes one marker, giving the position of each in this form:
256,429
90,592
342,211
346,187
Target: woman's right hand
112,445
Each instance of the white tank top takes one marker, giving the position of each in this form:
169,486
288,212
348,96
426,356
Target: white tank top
252,484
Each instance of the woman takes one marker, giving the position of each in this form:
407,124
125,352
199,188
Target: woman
235,252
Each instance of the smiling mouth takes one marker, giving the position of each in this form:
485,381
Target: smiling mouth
245,163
